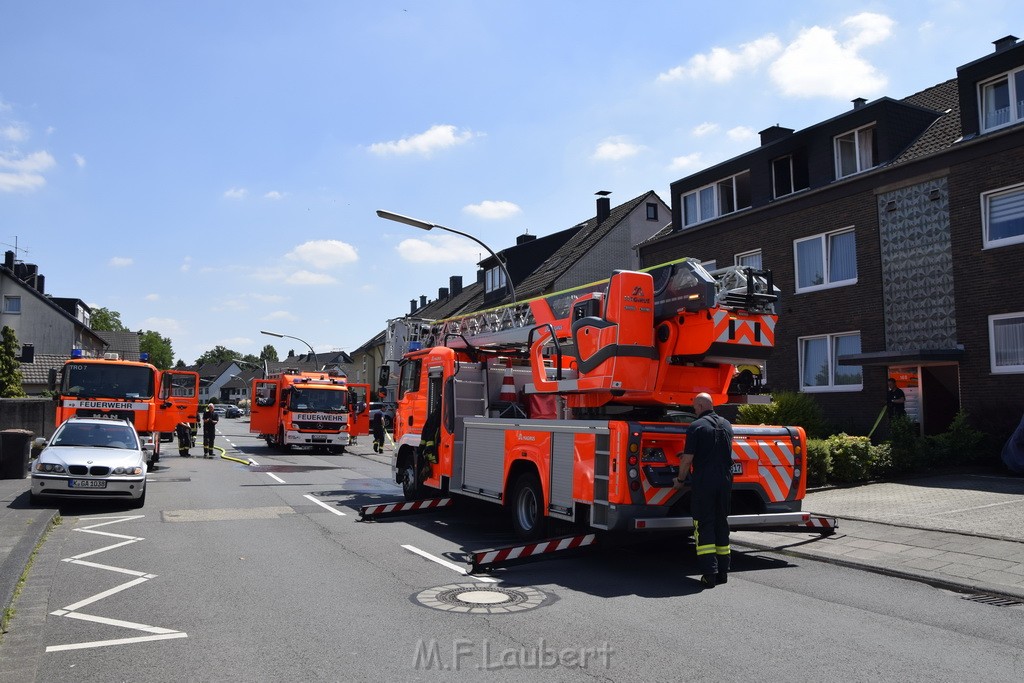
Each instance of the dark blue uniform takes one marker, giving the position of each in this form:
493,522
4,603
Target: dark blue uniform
709,440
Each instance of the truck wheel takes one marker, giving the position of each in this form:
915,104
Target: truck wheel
527,507
410,488
281,445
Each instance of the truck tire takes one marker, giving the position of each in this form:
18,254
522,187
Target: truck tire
528,507
281,445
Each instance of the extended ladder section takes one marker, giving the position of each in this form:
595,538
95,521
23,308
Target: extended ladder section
682,285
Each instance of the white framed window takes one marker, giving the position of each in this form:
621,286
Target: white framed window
1001,100
749,259
782,176
1006,343
855,151
12,304
819,371
826,260
494,279
1002,217
717,199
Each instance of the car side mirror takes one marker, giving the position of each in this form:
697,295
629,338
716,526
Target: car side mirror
39,443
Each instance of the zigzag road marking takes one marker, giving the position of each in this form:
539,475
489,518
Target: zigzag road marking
72,611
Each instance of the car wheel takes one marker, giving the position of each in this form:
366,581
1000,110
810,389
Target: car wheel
33,499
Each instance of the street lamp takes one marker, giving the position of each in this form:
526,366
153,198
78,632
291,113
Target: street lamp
423,225
255,365
288,336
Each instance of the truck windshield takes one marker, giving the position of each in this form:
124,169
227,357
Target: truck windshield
320,400
95,380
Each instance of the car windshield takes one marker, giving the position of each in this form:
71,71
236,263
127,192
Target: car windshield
96,435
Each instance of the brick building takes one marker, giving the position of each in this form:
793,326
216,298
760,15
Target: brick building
893,231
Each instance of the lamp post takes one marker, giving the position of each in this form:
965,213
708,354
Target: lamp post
424,225
288,336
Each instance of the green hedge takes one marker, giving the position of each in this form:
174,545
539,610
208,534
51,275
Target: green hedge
786,408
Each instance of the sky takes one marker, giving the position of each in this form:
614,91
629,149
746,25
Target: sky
211,169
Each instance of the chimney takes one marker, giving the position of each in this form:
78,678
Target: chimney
9,260
480,276
524,238
455,285
604,205
40,284
1005,43
412,306
442,293
776,132
858,102
28,353
423,300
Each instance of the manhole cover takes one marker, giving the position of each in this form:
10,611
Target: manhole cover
471,598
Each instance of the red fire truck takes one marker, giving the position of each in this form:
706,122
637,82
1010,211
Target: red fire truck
572,406
320,410
154,400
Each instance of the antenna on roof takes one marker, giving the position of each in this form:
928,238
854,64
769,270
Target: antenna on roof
16,247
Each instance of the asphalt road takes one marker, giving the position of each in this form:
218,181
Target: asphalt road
235,573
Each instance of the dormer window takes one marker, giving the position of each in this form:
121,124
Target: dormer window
1002,100
717,199
855,151
494,279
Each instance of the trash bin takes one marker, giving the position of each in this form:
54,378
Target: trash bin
15,449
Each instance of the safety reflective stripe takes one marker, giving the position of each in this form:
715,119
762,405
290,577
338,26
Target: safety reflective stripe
721,550
768,477
705,550
744,331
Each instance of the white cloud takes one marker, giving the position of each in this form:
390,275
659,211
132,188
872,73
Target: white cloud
26,170
615,148
186,264
685,162
426,143
273,194
152,297
120,261
279,315
492,210
818,64
235,342
741,134
721,65
444,248
324,254
236,193
305,277
14,132
165,326
706,128
79,160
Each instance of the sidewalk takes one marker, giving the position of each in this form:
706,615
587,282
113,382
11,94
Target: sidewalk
962,532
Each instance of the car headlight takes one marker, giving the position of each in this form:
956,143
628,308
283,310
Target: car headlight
49,467
127,470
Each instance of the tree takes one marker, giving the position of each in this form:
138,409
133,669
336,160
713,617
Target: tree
158,347
269,353
105,320
219,354
10,367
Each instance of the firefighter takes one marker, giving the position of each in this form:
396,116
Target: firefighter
210,419
184,433
709,450
377,427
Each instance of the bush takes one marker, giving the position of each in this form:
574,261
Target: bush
786,408
961,444
819,462
852,458
905,446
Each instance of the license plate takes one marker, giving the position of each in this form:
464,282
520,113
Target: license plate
87,483
737,468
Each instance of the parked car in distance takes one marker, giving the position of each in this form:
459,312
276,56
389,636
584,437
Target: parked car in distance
232,411
388,411
91,458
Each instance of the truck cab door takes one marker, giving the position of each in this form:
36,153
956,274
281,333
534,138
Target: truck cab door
359,409
264,408
178,400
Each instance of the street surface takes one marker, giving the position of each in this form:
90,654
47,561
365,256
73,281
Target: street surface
264,573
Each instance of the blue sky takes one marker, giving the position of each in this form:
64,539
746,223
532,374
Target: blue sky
212,169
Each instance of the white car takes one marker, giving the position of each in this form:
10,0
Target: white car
91,458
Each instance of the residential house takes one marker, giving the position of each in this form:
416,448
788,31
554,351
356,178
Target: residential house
893,230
